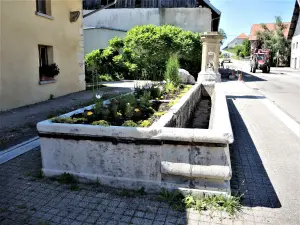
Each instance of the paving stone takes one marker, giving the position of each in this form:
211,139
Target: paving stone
126,219
92,219
160,217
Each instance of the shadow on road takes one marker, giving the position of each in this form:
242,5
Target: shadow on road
246,76
249,176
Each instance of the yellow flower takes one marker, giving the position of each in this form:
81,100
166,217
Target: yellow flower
89,113
136,110
161,97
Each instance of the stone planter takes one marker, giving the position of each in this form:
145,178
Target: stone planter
163,155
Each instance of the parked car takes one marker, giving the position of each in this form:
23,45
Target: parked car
227,57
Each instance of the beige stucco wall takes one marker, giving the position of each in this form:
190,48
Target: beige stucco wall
21,33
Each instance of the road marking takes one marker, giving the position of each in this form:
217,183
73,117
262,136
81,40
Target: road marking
283,117
19,149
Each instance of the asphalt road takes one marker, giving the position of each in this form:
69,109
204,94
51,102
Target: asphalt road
281,86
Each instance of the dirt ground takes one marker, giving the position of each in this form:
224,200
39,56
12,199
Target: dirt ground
18,125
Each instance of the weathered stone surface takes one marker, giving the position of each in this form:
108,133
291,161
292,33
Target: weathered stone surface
154,157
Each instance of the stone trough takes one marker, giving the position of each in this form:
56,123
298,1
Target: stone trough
163,155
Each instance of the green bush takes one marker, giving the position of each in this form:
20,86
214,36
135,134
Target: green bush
103,123
144,123
109,61
144,52
106,77
172,73
238,49
151,47
246,47
129,123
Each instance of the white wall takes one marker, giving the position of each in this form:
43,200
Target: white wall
194,19
235,42
295,55
98,38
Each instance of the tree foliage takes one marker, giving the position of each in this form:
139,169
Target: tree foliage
275,41
224,35
144,52
246,47
151,46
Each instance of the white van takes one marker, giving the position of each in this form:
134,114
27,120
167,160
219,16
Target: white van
227,57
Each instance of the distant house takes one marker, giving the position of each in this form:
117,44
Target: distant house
100,27
257,27
294,36
237,41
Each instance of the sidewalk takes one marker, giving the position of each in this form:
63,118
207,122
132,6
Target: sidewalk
19,124
265,162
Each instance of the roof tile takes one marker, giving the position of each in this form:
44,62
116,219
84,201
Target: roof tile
270,26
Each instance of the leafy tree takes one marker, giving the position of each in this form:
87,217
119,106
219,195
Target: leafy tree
275,41
224,35
238,49
246,47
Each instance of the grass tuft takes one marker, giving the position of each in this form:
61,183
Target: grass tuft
229,204
66,178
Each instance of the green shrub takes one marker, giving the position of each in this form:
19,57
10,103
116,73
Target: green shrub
109,61
151,46
144,123
238,49
172,73
68,120
123,100
129,123
144,52
155,92
103,123
129,110
158,114
145,99
169,88
106,77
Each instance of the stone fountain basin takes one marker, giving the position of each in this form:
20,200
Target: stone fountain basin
164,155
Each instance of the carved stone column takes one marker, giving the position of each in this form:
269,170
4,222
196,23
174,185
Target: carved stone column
210,57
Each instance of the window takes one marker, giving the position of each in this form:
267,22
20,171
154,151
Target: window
293,45
43,6
297,45
45,59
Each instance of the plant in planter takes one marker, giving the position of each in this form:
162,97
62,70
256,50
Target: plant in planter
48,72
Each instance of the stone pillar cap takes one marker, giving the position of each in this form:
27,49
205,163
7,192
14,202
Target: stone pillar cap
211,35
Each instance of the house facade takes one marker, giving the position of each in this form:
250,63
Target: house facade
294,36
34,35
100,27
237,41
257,27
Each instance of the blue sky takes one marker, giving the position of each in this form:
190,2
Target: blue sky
238,15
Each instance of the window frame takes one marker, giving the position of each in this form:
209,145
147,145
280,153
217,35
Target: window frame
48,59
46,8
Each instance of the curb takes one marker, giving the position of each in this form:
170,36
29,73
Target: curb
19,149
